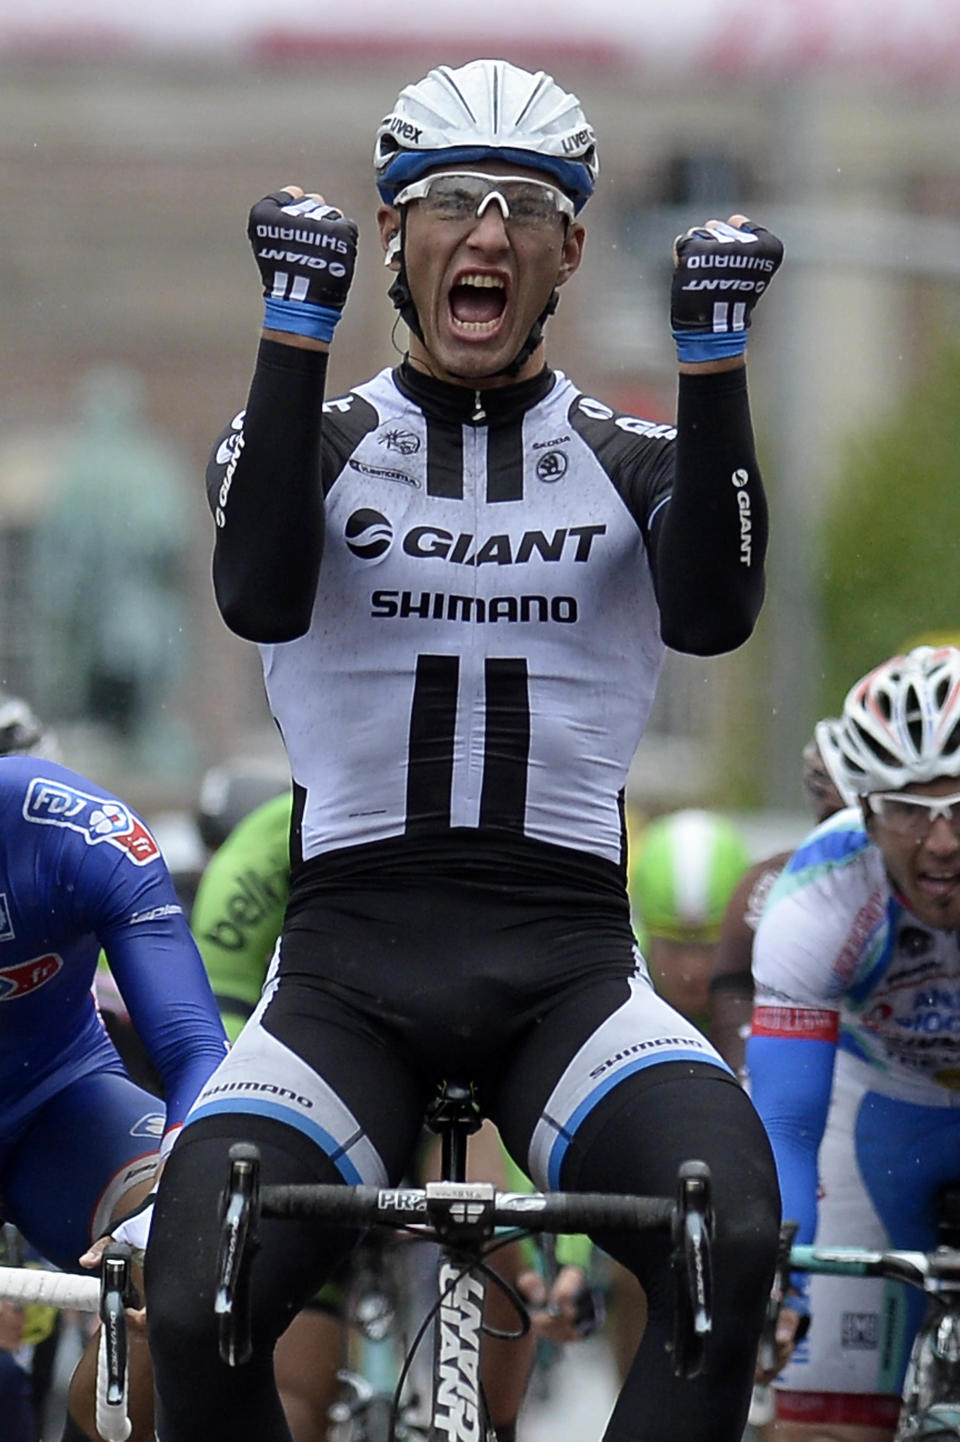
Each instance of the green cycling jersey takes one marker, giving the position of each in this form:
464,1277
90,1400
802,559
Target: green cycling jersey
238,911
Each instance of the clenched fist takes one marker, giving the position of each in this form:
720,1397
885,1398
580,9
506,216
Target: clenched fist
720,271
305,251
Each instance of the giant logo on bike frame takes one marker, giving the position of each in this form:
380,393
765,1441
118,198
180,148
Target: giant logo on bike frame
96,818
26,976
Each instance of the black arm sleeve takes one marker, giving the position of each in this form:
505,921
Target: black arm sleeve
708,544
268,501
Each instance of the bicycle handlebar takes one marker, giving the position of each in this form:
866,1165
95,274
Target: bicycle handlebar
26,1285
928,1271
472,1203
463,1216
110,1295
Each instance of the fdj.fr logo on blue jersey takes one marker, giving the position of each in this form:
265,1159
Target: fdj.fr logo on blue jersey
26,976
96,818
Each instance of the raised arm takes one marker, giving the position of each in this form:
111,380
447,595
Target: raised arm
264,481
710,540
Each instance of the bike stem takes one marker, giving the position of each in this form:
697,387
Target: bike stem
454,1116
457,1404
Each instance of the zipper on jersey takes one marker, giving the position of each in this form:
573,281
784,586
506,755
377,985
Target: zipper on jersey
479,413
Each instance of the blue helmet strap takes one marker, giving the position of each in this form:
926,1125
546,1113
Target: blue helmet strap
399,293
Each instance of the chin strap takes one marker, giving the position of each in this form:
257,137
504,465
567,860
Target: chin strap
399,293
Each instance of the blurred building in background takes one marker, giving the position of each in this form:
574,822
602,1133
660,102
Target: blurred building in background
129,159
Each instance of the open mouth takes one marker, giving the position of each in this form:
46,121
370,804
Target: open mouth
939,884
477,303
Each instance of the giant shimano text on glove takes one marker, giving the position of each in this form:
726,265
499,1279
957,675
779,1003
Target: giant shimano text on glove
721,270
306,251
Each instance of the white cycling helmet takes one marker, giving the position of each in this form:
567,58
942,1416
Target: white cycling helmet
825,781
482,110
900,723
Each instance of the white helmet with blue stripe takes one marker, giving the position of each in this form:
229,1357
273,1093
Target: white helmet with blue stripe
483,110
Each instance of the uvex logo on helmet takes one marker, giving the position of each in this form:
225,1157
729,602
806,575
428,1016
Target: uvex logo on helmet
368,534
482,110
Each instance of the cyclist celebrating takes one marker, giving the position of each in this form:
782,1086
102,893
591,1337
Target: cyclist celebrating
236,920
854,1058
463,575
79,1142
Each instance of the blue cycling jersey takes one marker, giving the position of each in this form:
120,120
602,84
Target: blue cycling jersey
79,871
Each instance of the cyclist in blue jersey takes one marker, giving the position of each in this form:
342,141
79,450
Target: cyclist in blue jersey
854,1056
463,576
79,1142
21,733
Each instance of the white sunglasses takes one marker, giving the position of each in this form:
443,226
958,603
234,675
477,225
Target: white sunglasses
914,815
463,195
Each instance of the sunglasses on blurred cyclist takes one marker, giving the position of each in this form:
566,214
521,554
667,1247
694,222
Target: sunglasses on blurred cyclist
463,195
913,816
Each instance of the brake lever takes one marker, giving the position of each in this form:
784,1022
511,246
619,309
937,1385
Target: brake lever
117,1292
239,1240
767,1350
692,1233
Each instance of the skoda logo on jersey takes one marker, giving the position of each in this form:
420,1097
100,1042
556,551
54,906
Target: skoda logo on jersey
27,976
369,535
551,466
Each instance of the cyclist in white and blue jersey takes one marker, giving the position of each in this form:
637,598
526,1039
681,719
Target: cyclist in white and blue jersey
80,1143
463,576
854,1057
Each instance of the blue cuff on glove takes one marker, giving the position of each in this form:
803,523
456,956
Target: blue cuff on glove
298,317
709,345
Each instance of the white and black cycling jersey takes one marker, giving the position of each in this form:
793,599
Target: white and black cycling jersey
484,634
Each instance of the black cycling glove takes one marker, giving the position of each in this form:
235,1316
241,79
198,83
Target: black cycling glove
306,251
720,272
